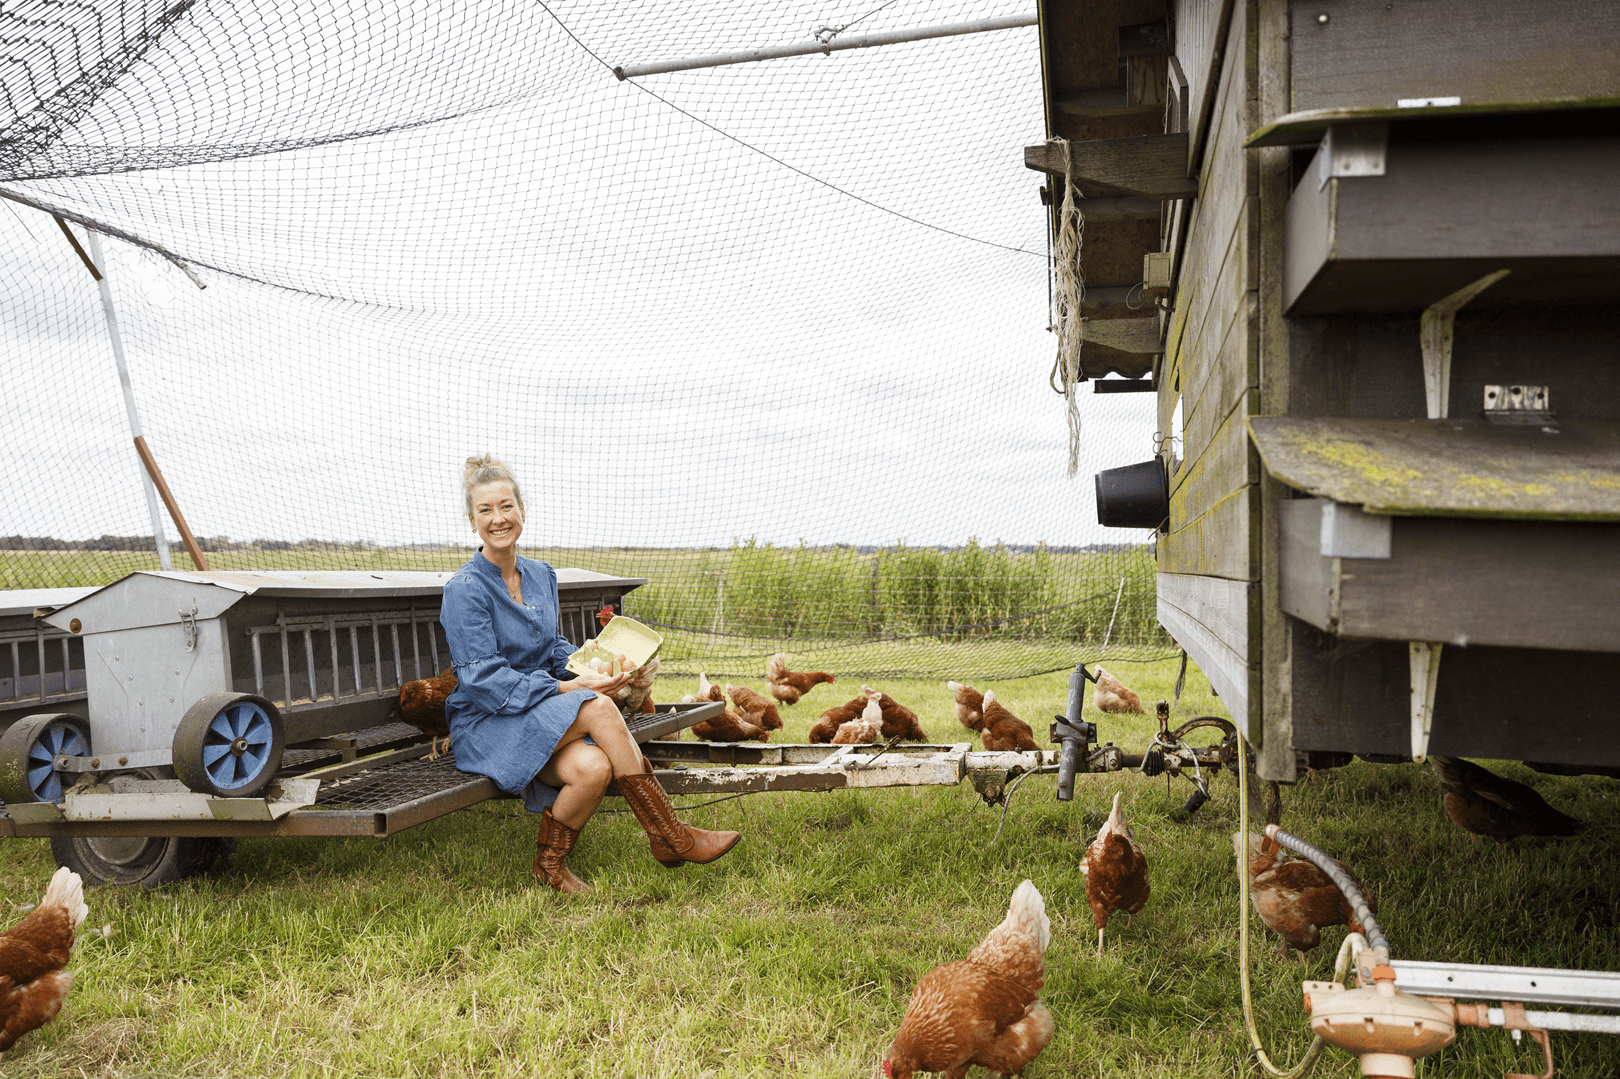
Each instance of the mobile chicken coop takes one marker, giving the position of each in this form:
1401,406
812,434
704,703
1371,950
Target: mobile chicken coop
1379,254
155,721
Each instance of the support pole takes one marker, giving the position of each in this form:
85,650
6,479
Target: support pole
111,314
171,505
853,41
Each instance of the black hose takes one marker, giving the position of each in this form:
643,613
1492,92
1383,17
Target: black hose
1335,872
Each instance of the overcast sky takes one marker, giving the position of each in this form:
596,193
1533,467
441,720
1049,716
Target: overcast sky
675,339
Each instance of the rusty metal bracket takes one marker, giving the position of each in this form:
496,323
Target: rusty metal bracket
1512,1017
1516,1020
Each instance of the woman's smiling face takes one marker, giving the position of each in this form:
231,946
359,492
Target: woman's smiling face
496,516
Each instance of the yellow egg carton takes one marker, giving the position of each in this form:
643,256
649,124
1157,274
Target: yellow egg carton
620,637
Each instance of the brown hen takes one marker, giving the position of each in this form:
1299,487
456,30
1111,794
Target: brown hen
421,704
833,718
985,1009
898,720
1004,731
865,729
969,705
1295,898
1116,872
1481,802
34,955
1112,696
756,708
788,686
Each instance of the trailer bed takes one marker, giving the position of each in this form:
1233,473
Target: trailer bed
377,782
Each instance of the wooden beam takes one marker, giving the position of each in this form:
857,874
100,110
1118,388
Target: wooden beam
1110,302
1135,335
1149,166
173,507
1100,103
1125,208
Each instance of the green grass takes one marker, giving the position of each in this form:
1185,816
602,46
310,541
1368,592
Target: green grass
434,952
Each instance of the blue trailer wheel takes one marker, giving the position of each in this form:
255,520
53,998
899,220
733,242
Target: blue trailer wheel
28,752
228,744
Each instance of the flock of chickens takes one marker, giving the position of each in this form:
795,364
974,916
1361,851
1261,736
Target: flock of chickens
984,1010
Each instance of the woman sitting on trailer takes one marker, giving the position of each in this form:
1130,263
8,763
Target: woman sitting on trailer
519,717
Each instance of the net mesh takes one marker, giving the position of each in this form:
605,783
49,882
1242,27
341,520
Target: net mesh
772,335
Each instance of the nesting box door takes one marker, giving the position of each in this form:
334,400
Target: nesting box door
142,680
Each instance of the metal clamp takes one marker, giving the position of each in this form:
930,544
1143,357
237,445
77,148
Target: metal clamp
188,625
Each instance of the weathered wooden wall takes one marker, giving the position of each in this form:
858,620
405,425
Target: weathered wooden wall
1208,560
1374,53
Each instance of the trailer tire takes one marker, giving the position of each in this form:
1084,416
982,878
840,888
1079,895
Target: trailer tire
148,861
228,745
27,749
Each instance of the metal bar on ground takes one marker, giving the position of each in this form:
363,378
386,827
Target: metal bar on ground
855,41
1526,985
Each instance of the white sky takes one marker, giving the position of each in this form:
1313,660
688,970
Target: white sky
675,340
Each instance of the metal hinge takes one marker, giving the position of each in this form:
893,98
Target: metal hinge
1519,405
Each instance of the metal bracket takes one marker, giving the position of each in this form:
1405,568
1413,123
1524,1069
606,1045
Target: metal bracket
1351,150
1519,405
1350,532
1435,333
1516,1021
151,758
1425,661
188,625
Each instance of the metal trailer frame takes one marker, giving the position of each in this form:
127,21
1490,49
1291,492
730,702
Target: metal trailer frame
326,654
41,667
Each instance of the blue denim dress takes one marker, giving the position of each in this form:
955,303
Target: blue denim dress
506,714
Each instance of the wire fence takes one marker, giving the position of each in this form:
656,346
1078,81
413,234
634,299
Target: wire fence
773,336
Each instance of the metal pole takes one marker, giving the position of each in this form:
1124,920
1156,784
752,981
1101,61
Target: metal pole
129,399
854,41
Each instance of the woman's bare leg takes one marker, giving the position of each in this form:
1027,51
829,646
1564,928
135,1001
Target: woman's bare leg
600,719
581,773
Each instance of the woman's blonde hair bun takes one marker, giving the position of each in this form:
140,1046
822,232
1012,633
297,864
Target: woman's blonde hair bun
487,469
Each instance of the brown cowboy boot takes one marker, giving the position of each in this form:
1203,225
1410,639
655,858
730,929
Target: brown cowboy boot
672,842
551,846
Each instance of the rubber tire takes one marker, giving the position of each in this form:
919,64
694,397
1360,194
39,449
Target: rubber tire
15,745
146,861
193,729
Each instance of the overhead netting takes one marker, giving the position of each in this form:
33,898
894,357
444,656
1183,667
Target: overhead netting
772,335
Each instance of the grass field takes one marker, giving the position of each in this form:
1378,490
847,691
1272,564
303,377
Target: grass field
434,952
724,611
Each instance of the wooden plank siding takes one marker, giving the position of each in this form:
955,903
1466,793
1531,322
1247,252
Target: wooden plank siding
1368,53
1212,349
1220,542
1213,618
1199,25
1209,561
1208,477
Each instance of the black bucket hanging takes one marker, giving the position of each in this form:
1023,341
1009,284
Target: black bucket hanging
1135,496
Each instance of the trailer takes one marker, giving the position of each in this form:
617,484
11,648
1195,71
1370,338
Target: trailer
152,722
185,711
